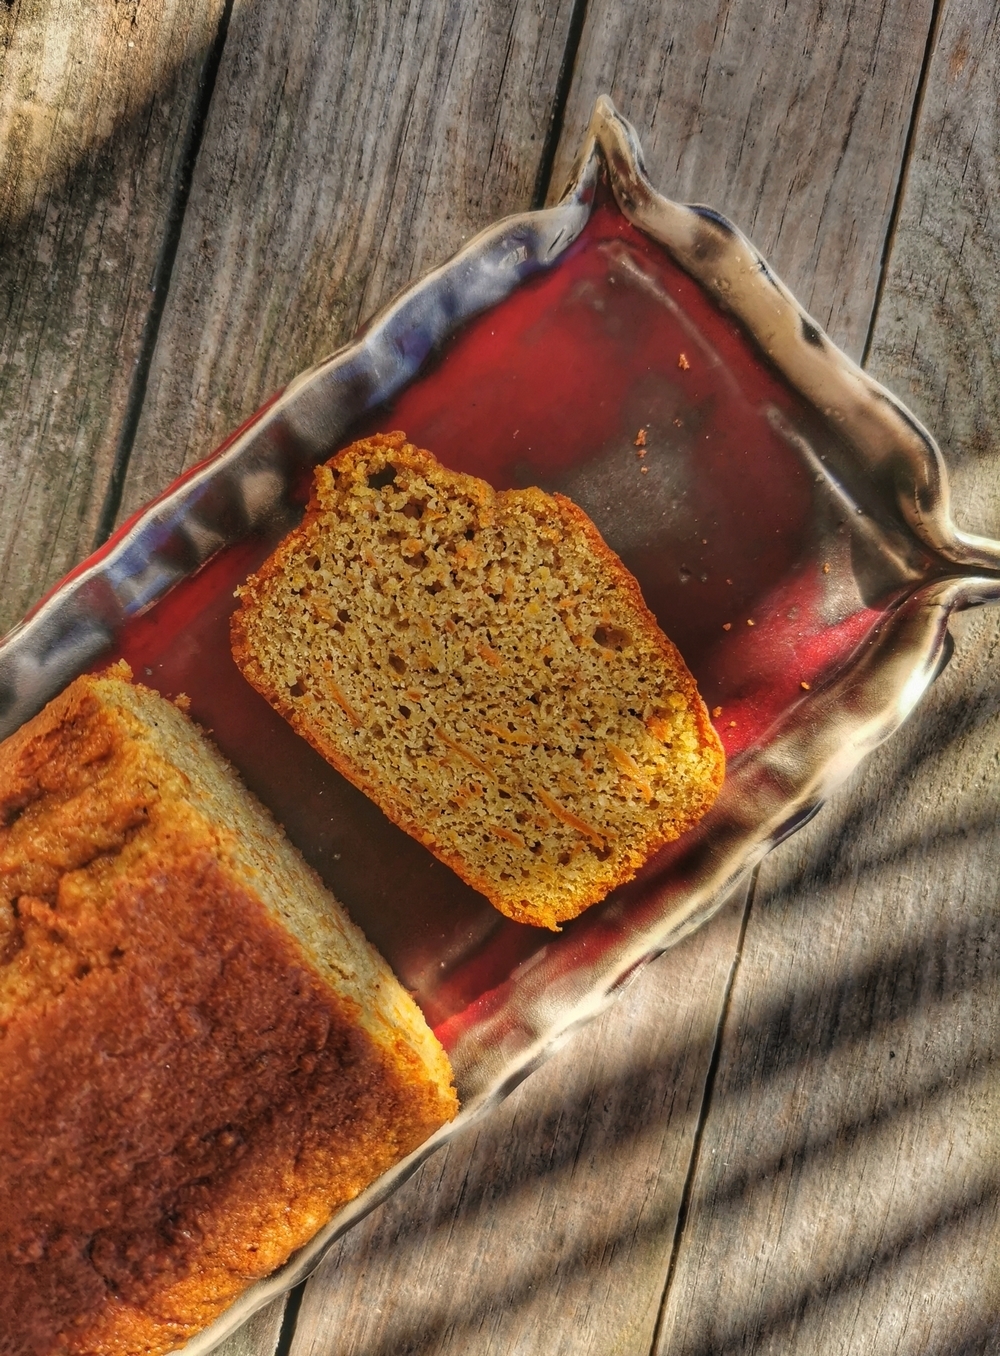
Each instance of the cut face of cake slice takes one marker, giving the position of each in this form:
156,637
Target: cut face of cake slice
201,1057
484,667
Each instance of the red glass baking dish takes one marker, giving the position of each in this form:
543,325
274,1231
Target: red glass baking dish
786,518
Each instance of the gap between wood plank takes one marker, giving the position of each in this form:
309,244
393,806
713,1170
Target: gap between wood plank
706,1106
564,84
161,285
933,30
290,1318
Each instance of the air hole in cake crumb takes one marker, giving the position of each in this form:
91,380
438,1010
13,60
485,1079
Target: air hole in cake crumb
413,509
418,561
435,587
504,795
469,533
601,853
397,664
405,712
612,637
344,615
296,690
313,562
564,858
12,944
387,476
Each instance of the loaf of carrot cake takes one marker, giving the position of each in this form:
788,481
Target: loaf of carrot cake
201,1057
483,666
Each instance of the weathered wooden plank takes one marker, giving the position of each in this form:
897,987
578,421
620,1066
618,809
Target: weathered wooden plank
847,1193
791,119
96,108
937,337
847,1186
541,1230
349,147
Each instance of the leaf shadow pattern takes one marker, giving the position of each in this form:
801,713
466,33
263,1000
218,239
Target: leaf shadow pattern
517,1163
379,1276
858,1094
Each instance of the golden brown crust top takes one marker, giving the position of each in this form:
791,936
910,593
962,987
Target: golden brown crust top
207,1099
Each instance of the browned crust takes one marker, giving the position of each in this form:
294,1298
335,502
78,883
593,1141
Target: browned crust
546,509
242,1148
208,1101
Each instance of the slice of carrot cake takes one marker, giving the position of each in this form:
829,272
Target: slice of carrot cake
484,667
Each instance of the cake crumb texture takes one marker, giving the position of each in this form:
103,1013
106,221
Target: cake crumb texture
201,1058
484,667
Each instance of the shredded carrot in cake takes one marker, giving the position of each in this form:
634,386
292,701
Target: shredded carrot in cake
338,696
463,752
631,769
568,817
508,835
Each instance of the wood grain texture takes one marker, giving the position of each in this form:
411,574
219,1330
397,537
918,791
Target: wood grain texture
95,110
547,1227
847,1193
259,1336
349,148
847,1187
790,119
937,337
